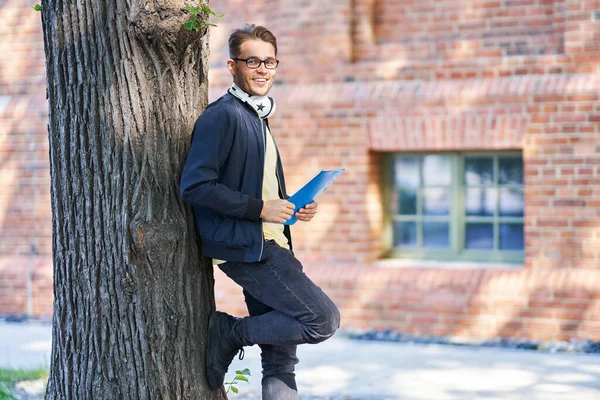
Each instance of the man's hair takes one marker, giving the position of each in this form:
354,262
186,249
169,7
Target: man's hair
248,32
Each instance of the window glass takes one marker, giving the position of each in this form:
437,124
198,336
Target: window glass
479,170
406,171
480,201
407,201
437,170
436,201
511,237
405,234
511,202
479,236
436,235
510,170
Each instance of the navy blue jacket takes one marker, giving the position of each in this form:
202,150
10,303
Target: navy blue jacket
223,178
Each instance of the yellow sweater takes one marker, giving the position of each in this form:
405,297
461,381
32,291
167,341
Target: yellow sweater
270,191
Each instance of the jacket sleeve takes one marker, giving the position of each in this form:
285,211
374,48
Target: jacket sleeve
199,185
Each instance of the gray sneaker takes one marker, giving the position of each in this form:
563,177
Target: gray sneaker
222,348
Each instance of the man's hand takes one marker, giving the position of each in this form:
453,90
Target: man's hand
277,211
308,212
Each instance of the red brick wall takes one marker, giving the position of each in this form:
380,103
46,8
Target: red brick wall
476,29
444,76
25,218
361,78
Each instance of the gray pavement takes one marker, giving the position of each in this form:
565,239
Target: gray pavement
25,345
343,368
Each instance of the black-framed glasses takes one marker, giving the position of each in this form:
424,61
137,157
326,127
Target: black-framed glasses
254,63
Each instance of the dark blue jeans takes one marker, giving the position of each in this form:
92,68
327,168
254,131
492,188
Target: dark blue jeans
286,309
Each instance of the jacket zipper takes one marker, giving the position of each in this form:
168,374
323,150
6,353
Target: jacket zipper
279,183
283,194
277,173
262,233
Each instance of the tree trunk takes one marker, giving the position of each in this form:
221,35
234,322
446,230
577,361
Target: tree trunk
132,293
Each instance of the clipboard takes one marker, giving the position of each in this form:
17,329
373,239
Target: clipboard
313,189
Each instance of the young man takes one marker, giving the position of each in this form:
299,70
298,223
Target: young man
234,179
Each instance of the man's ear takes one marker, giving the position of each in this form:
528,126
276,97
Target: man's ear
231,67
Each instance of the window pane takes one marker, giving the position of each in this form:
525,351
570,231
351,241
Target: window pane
510,170
480,201
405,234
406,171
436,201
511,237
479,170
479,236
511,202
407,201
437,170
436,235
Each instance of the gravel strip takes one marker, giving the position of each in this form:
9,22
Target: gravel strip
553,346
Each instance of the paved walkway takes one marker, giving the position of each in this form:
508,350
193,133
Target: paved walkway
348,369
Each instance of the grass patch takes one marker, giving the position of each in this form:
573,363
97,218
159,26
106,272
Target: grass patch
9,377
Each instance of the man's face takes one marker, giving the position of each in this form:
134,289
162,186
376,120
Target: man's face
255,82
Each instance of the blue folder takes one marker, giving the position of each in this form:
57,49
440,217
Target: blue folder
312,190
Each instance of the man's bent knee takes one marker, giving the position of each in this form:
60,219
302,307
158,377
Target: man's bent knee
324,327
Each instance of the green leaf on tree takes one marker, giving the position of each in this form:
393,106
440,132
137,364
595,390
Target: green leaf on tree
193,10
211,12
196,20
235,390
37,7
241,378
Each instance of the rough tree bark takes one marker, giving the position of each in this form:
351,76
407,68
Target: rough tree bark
132,293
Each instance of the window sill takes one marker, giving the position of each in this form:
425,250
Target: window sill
429,264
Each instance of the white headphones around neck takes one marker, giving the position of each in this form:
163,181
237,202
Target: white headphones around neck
263,105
